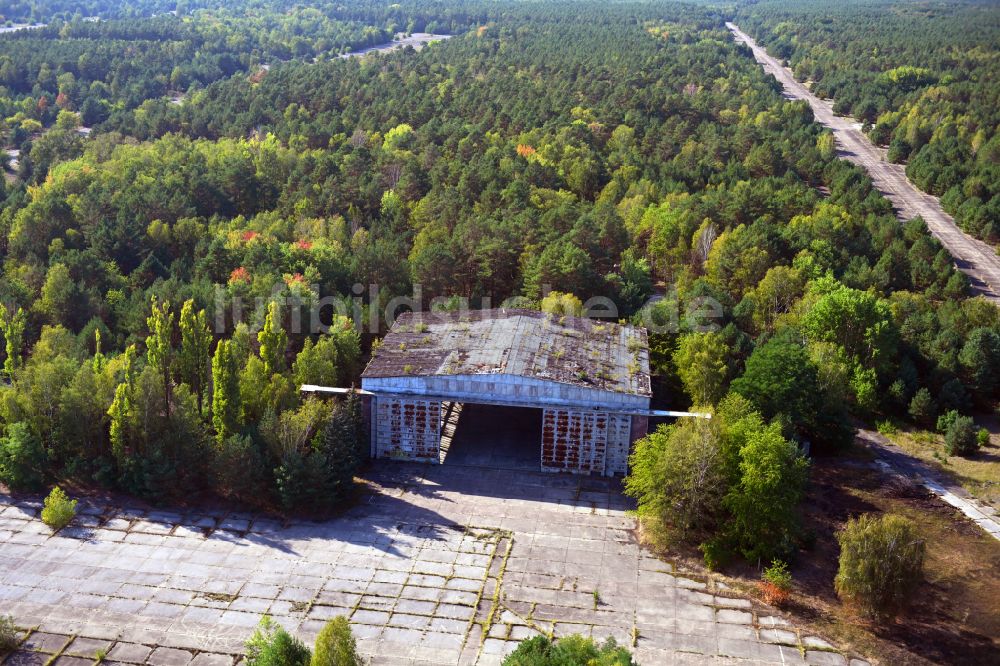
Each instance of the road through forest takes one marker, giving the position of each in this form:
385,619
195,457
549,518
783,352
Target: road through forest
973,257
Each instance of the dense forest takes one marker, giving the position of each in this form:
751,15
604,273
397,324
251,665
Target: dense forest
623,151
105,68
924,78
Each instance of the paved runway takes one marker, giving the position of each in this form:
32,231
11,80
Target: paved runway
436,566
973,257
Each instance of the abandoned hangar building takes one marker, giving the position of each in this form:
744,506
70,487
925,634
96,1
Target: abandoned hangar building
551,392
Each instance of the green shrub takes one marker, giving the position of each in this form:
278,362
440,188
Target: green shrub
335,645
716,553
953,395
776,583
945,421
300,479
778,575
8,634
241,469
569,651
961,437
881,564
58,510
887,428
271,645
22,458
983,437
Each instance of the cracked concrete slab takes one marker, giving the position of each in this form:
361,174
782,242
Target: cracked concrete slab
439,565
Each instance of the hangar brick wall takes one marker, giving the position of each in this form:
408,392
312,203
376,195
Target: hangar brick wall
407,429
574,441
619,444
585,442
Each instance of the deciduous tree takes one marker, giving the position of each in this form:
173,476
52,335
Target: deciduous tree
225,392
702,361
193,358
159,347
273,340
12,323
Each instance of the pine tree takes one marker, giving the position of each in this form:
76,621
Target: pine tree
225,392
193,359
295,481
342,446
273,340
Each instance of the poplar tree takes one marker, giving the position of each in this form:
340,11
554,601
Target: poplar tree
122,407
193,358
273,340
12,325
159,351
99,360
225,392
702,361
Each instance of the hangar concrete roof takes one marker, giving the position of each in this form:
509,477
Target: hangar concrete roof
581,352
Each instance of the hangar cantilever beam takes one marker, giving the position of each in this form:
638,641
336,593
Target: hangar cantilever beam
313,388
